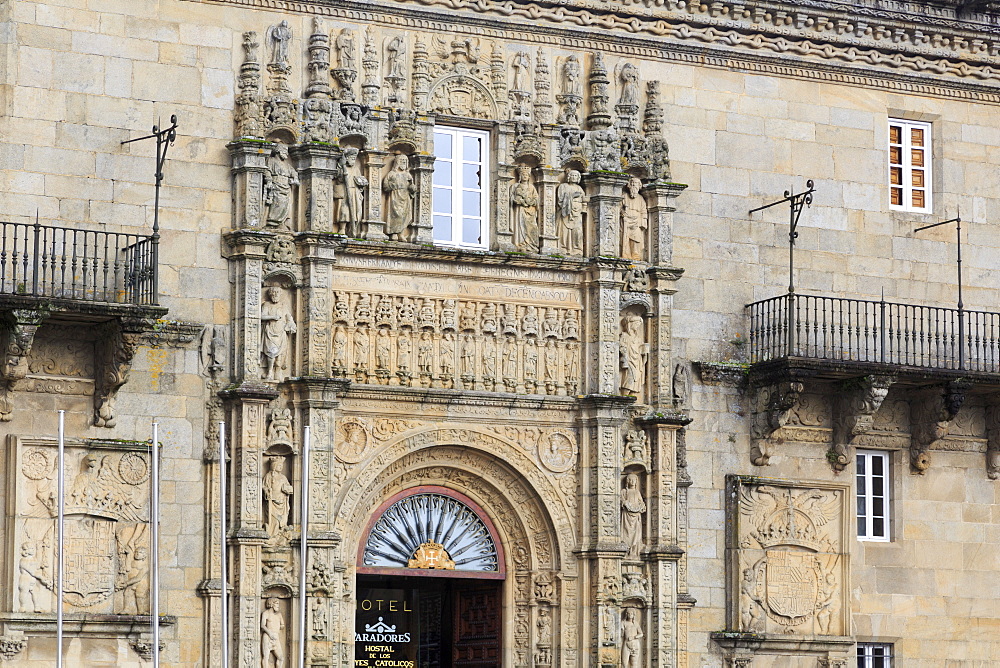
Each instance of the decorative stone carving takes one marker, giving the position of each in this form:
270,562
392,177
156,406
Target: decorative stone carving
12,644
571,97
856,405
772,406
279,430
993,440
318,66
346,71
116,347
635,448
570,207
277,327
277,491
789,565
681,386
633,508
16,337
931,414
632,635
633,353
278,181
634,221
656,149
558,453
272,639
400,189
524,199
278,38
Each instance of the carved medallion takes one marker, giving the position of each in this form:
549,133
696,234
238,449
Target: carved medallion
352,440
431,555
558,452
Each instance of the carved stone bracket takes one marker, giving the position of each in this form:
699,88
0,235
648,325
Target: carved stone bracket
16,336
858,401
143,646
772,406
931,414
116,348
993,439
12,644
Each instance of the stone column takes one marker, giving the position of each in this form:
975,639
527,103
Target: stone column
249,165
661,206
422,167
316,331
548,181
317,166
246,252
604,193
374,218
501,208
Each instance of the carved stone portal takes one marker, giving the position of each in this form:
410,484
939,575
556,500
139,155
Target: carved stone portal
788,559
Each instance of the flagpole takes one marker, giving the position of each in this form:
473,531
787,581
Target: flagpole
154,530
60,535
224,598
303,563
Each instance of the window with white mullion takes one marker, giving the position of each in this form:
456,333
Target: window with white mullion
909,165
460,183
872,479
874,655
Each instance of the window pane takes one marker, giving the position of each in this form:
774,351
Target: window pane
470,176
442,200
917,136
918,178
918,199
897,196
861,527
442,228
896,176
877,465
442,173
471,231
862,505
861,466
878,506
895,134
917,158
878,527
472,149
471,203
442,145
896,155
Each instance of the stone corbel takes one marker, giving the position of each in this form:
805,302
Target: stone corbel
16,336
773,404
115,350
12,643
993,439
143,646
931,414
857,403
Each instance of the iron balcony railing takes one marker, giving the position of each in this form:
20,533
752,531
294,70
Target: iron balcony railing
44,261
857,330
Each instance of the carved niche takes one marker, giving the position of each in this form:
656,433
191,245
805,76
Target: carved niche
106,529
788,557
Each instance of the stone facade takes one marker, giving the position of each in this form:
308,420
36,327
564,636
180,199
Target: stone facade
583,375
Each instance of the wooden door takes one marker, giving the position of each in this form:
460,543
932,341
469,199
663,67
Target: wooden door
476,629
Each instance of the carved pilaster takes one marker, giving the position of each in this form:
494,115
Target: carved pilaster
247,252
317,328
502,206
931,414
993,439
373,216
114,352
423,171
318,166
772,406
660,205
548,180
249,166
17,332
856,404
604,192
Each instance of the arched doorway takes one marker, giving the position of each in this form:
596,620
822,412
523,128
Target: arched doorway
430,574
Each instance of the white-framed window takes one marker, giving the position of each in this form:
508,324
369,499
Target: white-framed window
874,655
872,478
909,165
461,187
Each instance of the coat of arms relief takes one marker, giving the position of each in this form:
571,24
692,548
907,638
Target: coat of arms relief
788,558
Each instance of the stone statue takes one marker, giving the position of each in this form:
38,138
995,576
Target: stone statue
382,346
448,354
631,640
399,186
360,350
570,200
279,430
277,325
827,605
468,355
272,637
278,37
572,84
425,352
278,181
633,351
629,78
396,50
339,348
320,630
134,582
750,608
632,509
403,348
345,50
348,194
521,66
634,221
524,198
32,572
277,493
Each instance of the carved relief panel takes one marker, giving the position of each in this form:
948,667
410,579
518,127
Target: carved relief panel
106,527
788,557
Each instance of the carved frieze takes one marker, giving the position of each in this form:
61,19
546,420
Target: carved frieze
788,557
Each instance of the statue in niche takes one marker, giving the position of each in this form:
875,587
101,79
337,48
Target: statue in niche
133,579
399,186
634,221
278,37
530,362
339,348
403,347
278,181
572,84
569,213
468,355
277,491
345,50
272,637
633,351
361,350
425,352
631,640
277,326
279,431
510,359
382,343
396,50
349,194
521,65
551,365
524,198
320,623
32,572
448,354
633,508
609,625
629,78
489,358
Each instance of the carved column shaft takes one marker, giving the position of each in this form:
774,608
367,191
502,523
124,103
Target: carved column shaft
317,167
423,172
247,253
373,215
249,166
316,307
661,205
548,180
604,191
